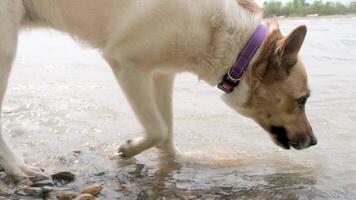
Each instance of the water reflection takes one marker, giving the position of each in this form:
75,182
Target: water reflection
181,179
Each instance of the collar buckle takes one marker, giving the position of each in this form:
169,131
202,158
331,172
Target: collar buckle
237,72
228,83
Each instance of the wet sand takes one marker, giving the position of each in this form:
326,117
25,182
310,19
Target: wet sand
64,111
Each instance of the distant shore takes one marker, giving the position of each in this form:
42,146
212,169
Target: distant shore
301,8
316,17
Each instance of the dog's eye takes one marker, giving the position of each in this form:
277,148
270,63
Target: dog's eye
302,101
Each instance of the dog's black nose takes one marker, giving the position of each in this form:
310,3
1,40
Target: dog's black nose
281,135
313,141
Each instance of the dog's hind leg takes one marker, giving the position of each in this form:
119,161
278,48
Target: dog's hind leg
138,87
163,90
10,17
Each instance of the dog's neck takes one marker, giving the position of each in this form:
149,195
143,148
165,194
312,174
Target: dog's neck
230,36
215,73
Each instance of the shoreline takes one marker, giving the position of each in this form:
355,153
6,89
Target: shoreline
351,15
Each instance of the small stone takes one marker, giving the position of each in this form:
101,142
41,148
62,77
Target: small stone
66,196
93,190
43,183
85,197
223,193
149,192
34,191
63,177
100,174
127,188
190,197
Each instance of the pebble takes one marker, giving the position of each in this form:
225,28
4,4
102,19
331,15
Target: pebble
223,193
127,188
43,183
100,174
66,196
88,193
4,195
149,192
34,191
63,177
93,190
85,197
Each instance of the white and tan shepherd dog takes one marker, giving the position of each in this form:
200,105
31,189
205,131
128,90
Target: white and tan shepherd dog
146,42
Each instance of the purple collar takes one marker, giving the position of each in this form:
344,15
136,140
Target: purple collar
237,71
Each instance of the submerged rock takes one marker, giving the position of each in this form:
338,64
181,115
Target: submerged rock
85,197
66,196
100,174
88,193
43,183
34,191
93,190
63,177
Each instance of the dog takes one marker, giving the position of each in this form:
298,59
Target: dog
147,42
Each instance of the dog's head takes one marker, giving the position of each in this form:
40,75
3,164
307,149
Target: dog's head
278,90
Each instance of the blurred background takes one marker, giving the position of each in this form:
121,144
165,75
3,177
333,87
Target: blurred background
294,8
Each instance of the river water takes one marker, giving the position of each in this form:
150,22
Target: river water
64,111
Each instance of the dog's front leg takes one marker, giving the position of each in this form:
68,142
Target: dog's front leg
163,90
9,24
138,87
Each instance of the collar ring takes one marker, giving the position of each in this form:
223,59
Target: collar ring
236,79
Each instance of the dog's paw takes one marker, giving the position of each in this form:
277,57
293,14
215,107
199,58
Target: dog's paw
126,150
29,175
24,174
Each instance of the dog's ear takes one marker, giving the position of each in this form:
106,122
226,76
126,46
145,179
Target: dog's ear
287,49
279,54
291,44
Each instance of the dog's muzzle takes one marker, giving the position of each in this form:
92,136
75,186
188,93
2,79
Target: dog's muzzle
281,137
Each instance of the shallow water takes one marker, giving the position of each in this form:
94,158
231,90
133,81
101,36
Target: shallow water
63,98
